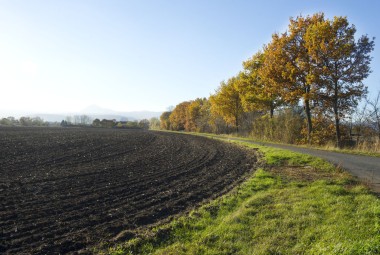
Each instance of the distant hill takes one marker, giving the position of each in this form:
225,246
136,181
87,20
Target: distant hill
118,117
94,111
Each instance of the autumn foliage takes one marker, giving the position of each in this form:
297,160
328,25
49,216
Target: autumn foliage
299,88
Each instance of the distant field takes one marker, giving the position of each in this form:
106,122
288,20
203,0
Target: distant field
65,190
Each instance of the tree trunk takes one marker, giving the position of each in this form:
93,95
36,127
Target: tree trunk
237,102
336,114
337,129
308,117
378,127
271,111
237,123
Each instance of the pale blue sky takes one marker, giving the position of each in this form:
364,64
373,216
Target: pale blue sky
61,56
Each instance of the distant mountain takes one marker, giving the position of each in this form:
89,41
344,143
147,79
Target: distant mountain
139,115
95,109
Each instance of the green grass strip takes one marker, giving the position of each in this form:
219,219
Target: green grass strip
273,213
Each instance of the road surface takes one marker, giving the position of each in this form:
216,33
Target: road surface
366,168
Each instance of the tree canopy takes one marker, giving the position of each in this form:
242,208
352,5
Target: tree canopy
227,102
316,63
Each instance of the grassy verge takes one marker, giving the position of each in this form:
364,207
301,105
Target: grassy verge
365,151
297,205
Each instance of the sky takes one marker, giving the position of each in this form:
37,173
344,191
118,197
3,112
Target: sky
64,55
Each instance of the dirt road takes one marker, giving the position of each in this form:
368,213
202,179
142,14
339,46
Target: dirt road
366,168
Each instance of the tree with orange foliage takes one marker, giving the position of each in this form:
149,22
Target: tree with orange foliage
339,66
287,66
178,116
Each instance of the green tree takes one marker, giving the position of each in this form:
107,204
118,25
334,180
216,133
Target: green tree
26,121
5,122
107,123
38,121
144,124
154,123
95,123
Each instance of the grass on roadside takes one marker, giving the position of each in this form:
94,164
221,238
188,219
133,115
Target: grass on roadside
298,205
366,149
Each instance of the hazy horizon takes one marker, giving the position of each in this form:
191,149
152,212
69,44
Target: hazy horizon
63,56
90,110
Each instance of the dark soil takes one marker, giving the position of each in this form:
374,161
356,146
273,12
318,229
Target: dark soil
67,190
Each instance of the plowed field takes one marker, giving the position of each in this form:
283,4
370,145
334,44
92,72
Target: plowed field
65,190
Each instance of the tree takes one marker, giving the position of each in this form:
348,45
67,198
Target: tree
144,124
76,119
287,66
375,112
252,87
226,102
132,124
165,121
5,122
85,120
196,115
26,121
69,120
203,122
339,66
358,117
95,123
38,121
178,116
107,123
13,120
154,123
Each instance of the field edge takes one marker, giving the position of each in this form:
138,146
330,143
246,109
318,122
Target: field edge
283,171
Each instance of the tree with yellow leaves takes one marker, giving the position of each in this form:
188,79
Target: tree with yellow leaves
339,66
196,117
164,120
226,102
287,66
255,95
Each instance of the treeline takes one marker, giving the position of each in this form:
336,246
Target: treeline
104,123
85,120
304,86
23,121
77,120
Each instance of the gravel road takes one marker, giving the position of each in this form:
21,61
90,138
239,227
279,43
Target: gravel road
366,168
